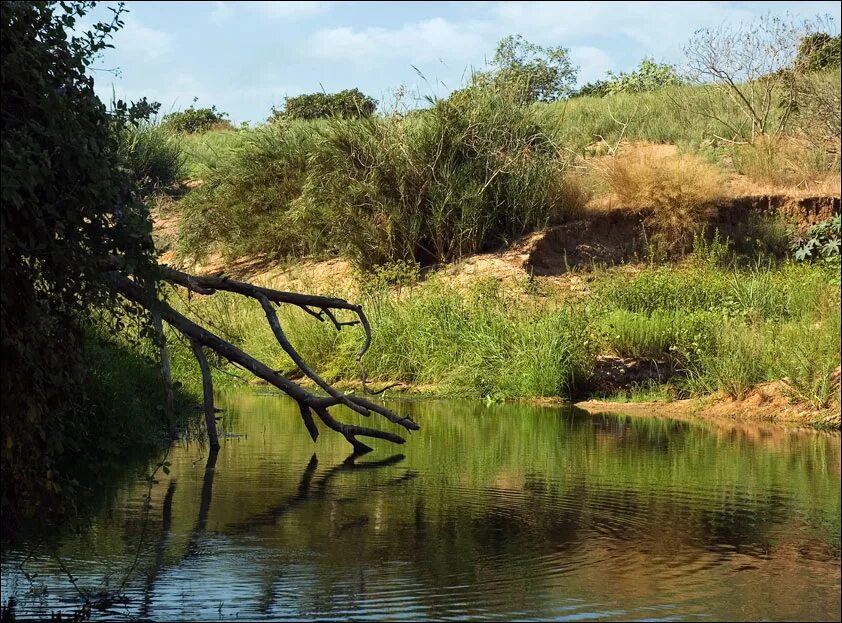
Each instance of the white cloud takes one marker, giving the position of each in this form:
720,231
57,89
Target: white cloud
425,40
289,9
222,12
139,41
593,63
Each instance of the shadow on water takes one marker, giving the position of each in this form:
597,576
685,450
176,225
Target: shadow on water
494,512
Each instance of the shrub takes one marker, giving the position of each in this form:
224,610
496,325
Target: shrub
819,51
152,154
648,76
347,104
528,72
67,207
197,120
676,195
465,176
252,204
820,242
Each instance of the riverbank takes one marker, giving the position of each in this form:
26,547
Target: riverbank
680,331
664,265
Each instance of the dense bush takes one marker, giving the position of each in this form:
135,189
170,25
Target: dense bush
253,204
67,207
469,174
819,51
648,76
466,175
152,154
528,72
196,120
347,104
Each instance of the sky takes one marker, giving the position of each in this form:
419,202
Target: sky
245,57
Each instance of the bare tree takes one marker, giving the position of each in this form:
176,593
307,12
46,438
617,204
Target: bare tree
321,307
754,65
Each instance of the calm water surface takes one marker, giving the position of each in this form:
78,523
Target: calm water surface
495,512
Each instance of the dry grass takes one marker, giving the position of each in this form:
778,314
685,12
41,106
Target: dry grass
789,162
675,194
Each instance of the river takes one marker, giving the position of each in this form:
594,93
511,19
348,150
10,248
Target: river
500,511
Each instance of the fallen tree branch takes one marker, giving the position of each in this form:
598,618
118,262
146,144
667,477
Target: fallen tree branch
308,402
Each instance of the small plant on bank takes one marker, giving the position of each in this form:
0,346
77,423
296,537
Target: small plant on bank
820,243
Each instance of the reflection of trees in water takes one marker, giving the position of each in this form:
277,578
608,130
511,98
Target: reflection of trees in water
512,510
307,490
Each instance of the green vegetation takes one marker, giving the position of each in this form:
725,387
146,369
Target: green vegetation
196,120
152,154
649,76
527,72
725,328
819,51
72,175
500,158
347,104
469,174
820,242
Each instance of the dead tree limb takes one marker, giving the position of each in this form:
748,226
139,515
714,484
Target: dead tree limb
207,391
166,373
308,403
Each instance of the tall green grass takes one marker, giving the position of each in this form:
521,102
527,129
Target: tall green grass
152,154
469,174
692,117
251,202
725,329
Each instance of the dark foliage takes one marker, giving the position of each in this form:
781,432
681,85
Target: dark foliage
68,206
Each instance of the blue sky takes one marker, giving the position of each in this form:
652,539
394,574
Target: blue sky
245,57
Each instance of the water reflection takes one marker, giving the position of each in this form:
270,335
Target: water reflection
495,512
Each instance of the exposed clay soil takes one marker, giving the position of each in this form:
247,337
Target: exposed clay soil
768,402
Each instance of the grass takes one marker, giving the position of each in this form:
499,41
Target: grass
675,194
153,154
726,328
250,202
465,176
787,161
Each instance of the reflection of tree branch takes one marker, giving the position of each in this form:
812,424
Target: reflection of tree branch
266,518
204,504
160,550
270,516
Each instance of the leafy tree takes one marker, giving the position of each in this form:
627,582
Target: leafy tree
818,51
347,104
68,207
536,73
648,76
196,120
76,243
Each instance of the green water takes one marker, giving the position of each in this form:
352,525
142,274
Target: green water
495,512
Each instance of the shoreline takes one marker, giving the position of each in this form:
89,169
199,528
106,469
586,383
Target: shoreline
766,404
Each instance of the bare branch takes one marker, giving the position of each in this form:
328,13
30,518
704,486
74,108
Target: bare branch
201,337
